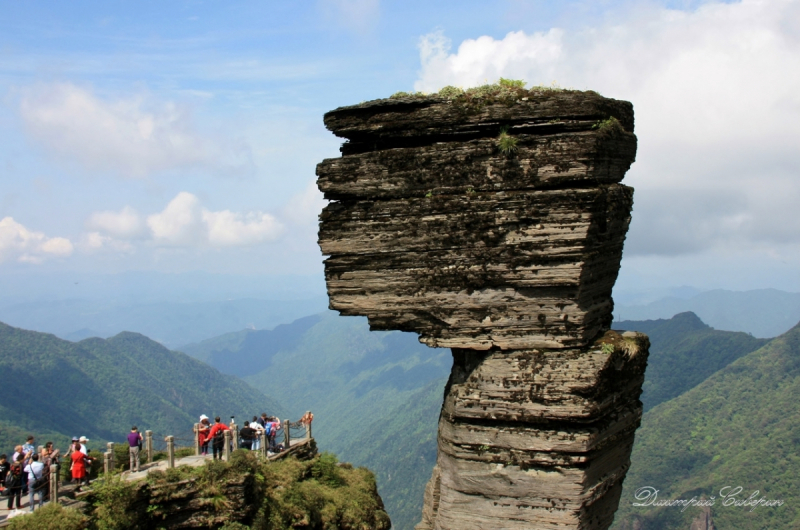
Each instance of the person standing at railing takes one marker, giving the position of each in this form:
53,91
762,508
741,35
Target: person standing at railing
204,427
134,446
272,427
4,467
258,428
36,482
247,433
217,435
79,462
48,457
14,481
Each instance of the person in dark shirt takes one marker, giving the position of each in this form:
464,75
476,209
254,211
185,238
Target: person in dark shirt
134,445
247,434
16,486
4,467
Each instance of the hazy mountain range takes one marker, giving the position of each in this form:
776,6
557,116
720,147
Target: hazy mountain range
762,312
377,395
56,389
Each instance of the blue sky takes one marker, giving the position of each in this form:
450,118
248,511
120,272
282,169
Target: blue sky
175,137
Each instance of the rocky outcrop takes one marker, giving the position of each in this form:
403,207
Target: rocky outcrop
492,222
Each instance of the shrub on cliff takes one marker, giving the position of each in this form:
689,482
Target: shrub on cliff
50,517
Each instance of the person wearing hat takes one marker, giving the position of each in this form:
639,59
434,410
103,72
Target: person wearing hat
134,445
203,429
83,441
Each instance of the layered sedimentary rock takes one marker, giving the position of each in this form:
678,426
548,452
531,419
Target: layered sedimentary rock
493,223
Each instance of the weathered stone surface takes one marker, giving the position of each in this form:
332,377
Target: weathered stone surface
509,258
538,438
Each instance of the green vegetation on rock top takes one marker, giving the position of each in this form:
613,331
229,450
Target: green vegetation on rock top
504,89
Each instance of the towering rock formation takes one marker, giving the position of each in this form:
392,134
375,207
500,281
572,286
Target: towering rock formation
492,222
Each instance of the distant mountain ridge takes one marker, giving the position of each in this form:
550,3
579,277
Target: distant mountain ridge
762,312
170,323
99,388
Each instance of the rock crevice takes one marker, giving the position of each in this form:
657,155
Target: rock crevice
494,225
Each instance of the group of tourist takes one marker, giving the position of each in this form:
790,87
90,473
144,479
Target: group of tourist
28,470
250,434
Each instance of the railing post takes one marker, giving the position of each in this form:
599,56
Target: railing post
234,436
106,462
170,451
286,436
226,451
264,443
148,445
110,446
53,482
196,439
308,425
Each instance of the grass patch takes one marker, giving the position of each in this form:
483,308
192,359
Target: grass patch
506,143
50,517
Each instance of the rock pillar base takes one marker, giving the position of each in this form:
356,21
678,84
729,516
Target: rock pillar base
537,439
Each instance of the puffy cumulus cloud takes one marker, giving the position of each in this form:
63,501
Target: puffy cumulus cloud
716,92
184,222
127,223
180,223
133,137
21,244
226,228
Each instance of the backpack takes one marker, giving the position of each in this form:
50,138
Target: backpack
13,477
219,436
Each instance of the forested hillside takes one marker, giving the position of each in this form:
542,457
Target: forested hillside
377,395
99,388
737,428
683,352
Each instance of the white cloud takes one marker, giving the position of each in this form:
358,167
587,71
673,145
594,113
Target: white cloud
133,137
716,92
180,223
127,223
185,223
17,242
226,228
94,241
303,209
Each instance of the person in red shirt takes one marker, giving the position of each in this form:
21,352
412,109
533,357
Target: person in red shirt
79,473
202,434
217,435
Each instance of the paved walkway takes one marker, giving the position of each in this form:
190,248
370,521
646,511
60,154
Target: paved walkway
196,461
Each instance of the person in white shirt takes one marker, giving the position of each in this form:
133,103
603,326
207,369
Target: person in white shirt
35,471
256,426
